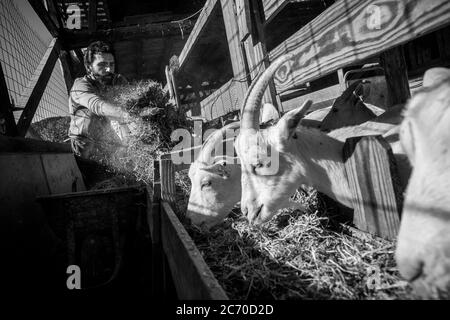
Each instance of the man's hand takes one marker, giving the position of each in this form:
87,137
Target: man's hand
148,112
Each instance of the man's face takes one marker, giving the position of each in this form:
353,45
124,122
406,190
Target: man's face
103,64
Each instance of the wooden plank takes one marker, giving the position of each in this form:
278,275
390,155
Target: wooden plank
192,277
167,172
244,18
321,98
373,179
236,54
154,223
9,127
273,7
92,19
260,54
35,89
346,33
175,89
62,173
396,73
220,102
169,83
199,29
18,144
67,69
45,17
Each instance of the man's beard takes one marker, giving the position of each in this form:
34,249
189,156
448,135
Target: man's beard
105,80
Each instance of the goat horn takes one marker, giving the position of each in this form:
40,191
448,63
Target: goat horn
252,101
217,137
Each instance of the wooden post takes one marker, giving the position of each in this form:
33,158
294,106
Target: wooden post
9,127
196,111
255,48
340,73
373,179
175,90
167,172
33,94
396,72
154,223
236,54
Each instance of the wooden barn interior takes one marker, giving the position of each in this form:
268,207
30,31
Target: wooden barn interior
206,54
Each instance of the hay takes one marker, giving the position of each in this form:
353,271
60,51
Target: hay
150,134
54,129
298,256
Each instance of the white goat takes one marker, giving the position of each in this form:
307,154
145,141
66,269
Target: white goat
423,250
216,180
305,156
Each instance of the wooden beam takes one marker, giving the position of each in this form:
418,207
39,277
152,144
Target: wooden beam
259,45
67,68
273,7
348,32
220,102
81,39
199,29
54,13
244,19
6,113
196,110
92,15
234,46
45,17
176,96
373,179
396,73
33,93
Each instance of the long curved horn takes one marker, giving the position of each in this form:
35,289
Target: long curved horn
217,137
252,102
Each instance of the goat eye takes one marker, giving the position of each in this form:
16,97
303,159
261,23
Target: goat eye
206,184
334,110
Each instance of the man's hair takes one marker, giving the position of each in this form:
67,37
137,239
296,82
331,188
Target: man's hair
93,49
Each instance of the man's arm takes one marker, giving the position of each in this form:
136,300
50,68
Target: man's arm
83,93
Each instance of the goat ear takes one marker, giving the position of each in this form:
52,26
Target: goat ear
435,76
289,122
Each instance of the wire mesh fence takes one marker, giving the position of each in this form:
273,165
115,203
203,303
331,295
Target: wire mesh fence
21,50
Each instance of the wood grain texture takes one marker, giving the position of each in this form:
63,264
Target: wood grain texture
396,73
234,46
167,172
220,102
373,179
191,275
347,32
198,30
272,7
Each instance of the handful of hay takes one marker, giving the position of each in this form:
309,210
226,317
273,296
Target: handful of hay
155,120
